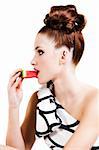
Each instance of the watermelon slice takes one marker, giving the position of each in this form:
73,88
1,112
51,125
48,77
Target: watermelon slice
28,74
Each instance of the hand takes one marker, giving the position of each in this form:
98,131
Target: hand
15,93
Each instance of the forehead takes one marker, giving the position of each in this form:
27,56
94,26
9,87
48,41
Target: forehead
42,40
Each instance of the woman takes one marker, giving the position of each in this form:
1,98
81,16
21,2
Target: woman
65,112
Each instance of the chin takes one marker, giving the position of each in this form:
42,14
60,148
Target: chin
41,81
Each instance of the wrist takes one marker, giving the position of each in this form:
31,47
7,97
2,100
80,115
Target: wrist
14,107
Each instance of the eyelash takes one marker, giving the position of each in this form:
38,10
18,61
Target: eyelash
40,51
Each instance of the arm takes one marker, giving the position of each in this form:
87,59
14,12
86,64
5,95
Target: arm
14,137
20,138
88,130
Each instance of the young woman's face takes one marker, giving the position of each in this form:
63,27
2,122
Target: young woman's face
46,58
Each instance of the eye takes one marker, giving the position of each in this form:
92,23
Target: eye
40,52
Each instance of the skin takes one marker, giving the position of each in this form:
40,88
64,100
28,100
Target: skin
2,147
78,99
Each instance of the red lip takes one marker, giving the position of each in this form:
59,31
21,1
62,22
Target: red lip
36,70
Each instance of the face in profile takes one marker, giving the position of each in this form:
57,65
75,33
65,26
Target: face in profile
46,58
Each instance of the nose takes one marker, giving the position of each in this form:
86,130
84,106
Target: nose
33,61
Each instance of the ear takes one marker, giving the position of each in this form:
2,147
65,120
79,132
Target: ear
64,56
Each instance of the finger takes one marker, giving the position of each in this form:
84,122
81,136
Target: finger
18,83
15,72
13,79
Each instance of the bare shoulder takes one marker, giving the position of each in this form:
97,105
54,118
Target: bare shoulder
32,104
88,128
92,99
31,107
91,109
29,122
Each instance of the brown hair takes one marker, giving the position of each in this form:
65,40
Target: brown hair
64,24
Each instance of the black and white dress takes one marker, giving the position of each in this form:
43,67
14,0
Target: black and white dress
54,124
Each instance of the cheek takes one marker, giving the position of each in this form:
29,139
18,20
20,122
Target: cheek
53,68
49,71
49,64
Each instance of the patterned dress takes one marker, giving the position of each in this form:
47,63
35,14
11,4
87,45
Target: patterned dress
54,124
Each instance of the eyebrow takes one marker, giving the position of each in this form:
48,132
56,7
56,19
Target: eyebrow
37,47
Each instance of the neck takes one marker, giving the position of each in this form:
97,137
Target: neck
67,87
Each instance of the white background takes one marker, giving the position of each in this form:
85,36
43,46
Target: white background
20,20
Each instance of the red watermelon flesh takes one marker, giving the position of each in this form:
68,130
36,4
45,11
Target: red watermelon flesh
29,74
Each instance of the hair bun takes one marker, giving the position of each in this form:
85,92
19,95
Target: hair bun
65,18
57,23
79,22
